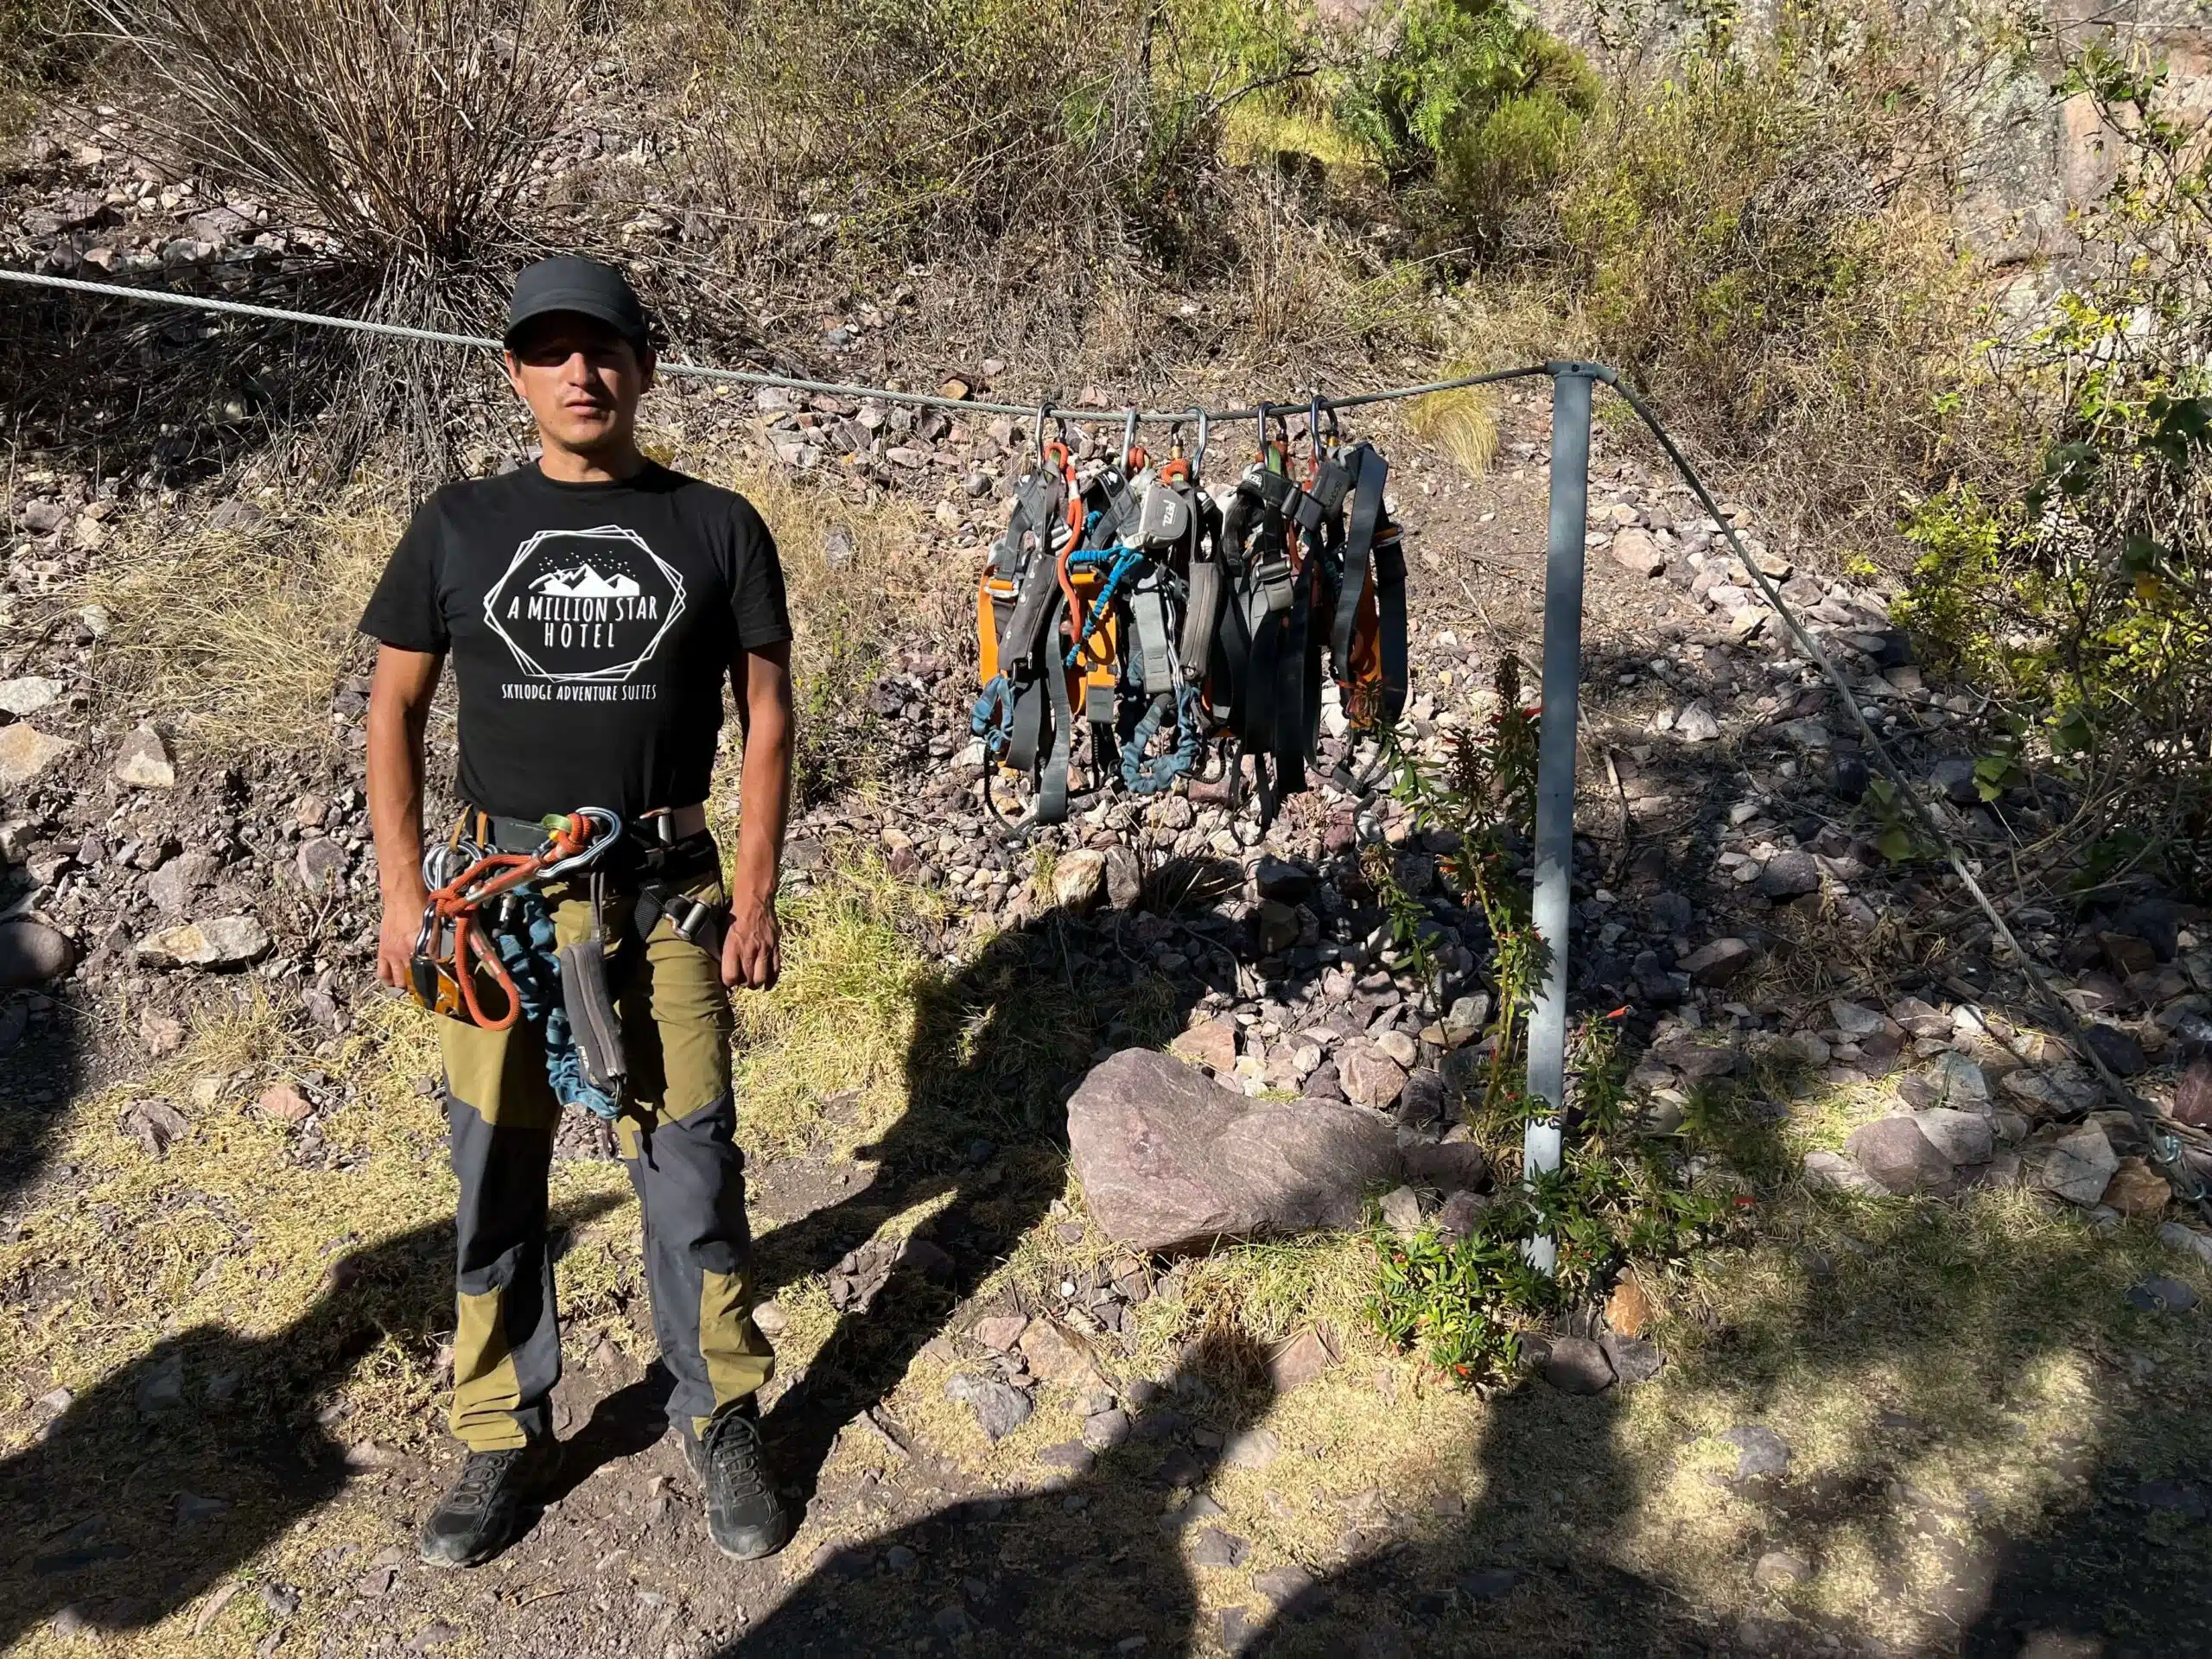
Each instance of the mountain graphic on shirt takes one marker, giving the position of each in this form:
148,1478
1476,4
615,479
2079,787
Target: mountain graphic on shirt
582,581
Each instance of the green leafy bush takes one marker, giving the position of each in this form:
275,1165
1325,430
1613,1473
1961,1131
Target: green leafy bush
2083,600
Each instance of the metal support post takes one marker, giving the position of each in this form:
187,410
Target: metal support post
1563,561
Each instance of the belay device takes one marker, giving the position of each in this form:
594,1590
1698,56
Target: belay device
1175,625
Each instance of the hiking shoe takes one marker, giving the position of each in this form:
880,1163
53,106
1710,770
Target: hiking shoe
482,1515
745,1517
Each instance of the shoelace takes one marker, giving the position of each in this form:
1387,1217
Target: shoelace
733,1449
481,1478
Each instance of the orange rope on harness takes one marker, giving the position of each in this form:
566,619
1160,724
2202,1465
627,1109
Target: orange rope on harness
456,905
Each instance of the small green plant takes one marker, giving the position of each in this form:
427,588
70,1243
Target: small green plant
1486,796
1616,1196
2081,597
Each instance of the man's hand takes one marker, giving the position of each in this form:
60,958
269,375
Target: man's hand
753,948
395,941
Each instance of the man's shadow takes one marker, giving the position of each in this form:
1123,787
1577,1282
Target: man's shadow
1097,1561
174,1469
998,1046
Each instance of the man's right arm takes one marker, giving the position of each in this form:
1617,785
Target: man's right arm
399,711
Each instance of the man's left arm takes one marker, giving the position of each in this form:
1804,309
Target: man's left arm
751,951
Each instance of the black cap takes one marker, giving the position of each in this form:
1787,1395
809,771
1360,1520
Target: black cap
586,287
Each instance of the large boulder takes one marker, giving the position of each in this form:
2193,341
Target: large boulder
1170,1160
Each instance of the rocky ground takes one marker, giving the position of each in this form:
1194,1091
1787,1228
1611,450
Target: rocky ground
996,1457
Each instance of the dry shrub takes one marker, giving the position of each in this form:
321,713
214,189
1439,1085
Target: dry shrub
1762,243
402,132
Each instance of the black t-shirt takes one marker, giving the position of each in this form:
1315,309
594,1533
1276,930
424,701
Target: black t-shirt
591,628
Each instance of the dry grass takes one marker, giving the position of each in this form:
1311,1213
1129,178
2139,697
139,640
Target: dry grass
840,1025
1462,424
245,634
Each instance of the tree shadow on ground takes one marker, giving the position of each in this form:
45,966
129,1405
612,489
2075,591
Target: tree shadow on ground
998,1046
1925,1327
174,1469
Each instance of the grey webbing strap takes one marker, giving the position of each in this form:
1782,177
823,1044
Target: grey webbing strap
1372,473
1053,781
1148,614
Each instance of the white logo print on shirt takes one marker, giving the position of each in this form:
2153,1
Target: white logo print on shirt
583,607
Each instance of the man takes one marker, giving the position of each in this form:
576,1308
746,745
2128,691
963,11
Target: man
592,605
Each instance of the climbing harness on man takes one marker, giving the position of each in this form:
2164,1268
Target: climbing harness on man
1182,626
488,926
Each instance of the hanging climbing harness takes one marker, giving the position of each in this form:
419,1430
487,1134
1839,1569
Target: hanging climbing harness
1182,623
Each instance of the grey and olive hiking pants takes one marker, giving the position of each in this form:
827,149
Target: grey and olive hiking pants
677,1135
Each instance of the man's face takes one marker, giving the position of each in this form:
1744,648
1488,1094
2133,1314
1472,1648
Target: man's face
582,380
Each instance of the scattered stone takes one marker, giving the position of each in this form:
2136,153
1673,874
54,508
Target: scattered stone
1779,1570
1252,1448
1789,876
1055,1355
1955,1080
1079,880
2161,1295
770,1320
1299,1361
1628,1310
1638,551
2078,1166
1072,1455
31,953
1211,1043
26,697
1488,1583
284,1103
1899,1158
223,941
1719,963
2119,1051
1463,1021
1370,1076
1576,1365
1104,1430
1124,879
1283,879
1001,1331
161,1388
1000,1408
322,864
1633,1358
174,885
1284,1586
1855,1021
25,751
1696,724
1453,1166
1168,1160
144,761
1962,1137
2136,1188
1214,1548
2193,1095
162,1033
1402,1211
2127,955
1835,1173
1760,1452
2188,1241
154,1124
